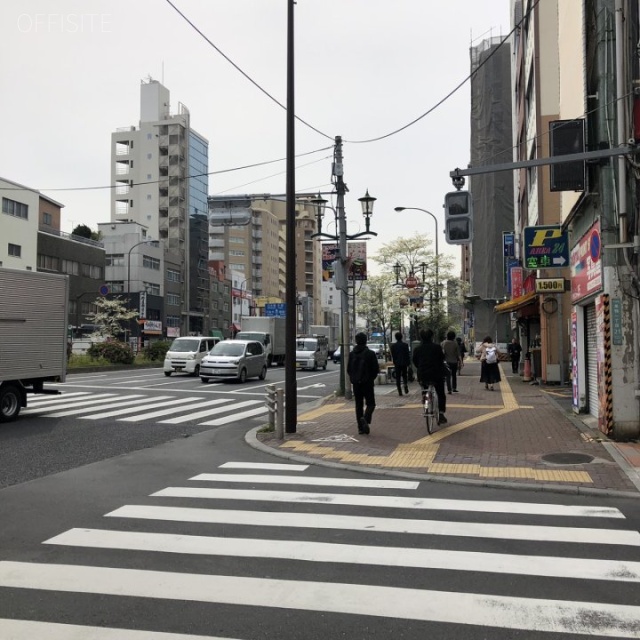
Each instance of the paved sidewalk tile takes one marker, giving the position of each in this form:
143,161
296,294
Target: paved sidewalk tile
497,436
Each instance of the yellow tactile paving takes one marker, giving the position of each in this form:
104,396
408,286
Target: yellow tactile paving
421,453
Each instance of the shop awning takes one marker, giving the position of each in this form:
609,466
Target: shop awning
235,327
516,303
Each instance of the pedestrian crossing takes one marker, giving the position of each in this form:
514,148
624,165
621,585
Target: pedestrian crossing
342,554
136,407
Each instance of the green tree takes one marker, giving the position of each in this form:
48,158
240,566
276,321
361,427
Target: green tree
379,302
109,317
82,230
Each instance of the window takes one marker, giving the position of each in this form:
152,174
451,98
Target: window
173,321
115,286
173,299
151,263
13,208
47,218
15,250
71,267
236,252
48,263
173,276
152,288
92,271
114,260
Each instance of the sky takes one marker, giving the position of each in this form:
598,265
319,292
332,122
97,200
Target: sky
70,74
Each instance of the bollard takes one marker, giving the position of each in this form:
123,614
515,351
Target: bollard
271,405
280,414
527,368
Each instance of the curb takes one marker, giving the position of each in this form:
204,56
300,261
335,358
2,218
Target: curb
252,440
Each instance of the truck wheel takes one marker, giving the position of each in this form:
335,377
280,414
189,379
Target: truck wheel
10,403
167,373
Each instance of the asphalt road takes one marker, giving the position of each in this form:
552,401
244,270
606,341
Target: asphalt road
101,415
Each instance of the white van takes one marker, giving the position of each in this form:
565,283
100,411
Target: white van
312,352
185,354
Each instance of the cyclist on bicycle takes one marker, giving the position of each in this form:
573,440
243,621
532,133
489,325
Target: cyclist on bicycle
428,358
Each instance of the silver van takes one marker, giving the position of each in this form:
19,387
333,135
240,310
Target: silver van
185,354
239,359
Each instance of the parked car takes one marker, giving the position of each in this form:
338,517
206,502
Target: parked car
378,349
239,359
337,354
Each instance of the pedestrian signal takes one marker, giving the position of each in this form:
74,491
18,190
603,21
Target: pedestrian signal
458,217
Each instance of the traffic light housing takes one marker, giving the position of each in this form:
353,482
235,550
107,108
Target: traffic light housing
458,217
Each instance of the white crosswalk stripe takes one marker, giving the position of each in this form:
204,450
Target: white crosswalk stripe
139,408
568,560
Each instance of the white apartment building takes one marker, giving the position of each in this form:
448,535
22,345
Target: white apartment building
159,173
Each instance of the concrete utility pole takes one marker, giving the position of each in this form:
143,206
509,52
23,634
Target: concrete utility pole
342,271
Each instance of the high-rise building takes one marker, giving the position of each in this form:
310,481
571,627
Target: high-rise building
159,173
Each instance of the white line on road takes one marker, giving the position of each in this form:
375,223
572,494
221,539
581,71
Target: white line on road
164,412
214,407
510,612
238,416
98,399
538,533
143,405
307,480
29,629
545,566
273,466
41,401
393,502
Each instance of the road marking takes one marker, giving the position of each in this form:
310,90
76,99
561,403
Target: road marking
539,533
307,480
273,466
509,612
98,399
166,411
46,400
301,550
392,502
238,416
122,402
28,630
200,414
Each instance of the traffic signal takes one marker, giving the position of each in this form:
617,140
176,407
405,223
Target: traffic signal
458,217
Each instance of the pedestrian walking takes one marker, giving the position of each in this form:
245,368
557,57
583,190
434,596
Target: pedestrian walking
363,369
428,357
401,361
452,358
489,370
463,352
515,350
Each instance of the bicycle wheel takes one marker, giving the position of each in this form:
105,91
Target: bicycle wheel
431,409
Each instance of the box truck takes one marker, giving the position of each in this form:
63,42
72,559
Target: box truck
33,336
326,330
270,331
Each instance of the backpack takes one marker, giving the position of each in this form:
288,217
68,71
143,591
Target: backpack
491,355
357,367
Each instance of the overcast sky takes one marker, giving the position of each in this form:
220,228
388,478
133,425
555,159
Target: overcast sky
70,74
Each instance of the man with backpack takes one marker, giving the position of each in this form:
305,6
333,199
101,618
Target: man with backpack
363,369
401,362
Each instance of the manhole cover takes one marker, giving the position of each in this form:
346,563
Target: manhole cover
567,458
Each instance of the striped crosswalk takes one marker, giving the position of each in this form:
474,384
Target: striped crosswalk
347,549
136,407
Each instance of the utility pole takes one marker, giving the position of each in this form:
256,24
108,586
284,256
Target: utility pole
341,272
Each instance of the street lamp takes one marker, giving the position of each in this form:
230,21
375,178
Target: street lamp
341,277
437,296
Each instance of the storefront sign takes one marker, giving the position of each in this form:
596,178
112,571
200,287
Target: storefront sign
153,327
546,247
616,320
550,285
586,266
516,282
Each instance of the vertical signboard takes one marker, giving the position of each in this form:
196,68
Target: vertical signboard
586,265
575,386
516,282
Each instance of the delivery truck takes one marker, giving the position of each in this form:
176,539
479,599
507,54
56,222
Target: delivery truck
270,331
330,332
33,336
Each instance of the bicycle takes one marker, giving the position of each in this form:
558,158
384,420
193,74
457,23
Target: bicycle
430,408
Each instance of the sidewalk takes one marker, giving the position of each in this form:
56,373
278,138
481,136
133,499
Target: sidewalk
493,438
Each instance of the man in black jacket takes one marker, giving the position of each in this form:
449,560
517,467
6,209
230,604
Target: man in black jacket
428,358
363,369
401,361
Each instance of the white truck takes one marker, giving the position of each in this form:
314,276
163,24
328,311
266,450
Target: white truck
311,352
33,336
325,330
270,331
